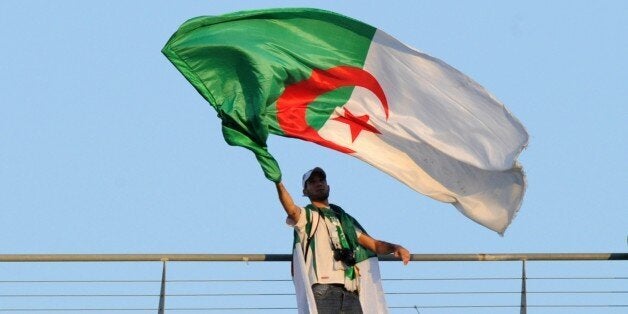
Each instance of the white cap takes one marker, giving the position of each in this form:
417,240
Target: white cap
308,174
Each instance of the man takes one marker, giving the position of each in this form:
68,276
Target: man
333,251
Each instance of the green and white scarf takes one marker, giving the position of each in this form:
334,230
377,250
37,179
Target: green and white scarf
341,227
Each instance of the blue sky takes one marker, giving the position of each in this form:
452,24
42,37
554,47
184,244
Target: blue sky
105,148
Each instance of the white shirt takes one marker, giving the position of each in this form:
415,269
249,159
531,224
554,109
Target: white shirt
325,273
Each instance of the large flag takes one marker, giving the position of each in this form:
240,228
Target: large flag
335,81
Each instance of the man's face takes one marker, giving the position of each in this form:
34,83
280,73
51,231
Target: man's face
316,188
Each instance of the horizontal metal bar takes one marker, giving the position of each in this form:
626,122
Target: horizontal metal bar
512,257
288,257
238,294
145,257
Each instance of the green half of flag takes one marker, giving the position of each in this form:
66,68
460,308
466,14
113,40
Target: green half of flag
242,62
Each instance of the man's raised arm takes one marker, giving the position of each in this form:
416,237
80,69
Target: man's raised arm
291,209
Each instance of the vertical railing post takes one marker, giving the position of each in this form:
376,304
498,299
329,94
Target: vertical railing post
162,292
524,302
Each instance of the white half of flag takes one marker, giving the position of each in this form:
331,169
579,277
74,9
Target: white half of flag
445,135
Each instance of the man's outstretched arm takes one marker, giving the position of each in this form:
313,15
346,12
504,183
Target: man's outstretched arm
285,198
383,247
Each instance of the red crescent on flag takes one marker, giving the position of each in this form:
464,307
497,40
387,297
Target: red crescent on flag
292,104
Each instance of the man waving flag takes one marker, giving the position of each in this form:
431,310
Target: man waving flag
335,81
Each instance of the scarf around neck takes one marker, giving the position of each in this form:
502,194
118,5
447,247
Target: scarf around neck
344,226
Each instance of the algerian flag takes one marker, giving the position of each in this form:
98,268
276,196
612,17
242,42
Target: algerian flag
329,79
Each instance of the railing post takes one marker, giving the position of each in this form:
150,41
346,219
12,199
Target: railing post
162,292
524,303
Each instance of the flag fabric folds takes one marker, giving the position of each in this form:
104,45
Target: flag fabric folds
340,83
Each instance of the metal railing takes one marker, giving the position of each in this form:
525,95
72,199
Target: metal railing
288,257
450,293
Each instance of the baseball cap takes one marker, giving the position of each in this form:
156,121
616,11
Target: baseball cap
308,174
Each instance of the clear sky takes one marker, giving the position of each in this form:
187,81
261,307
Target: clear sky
106,148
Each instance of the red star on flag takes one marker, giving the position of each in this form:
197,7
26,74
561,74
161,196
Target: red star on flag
357,124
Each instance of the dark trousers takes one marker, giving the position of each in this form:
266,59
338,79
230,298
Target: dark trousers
334,299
